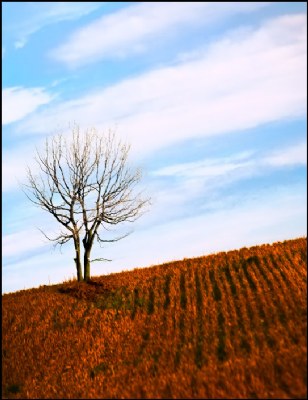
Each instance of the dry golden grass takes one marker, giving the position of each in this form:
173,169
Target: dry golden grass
230,325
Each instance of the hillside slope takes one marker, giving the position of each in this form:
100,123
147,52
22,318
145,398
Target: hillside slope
229,325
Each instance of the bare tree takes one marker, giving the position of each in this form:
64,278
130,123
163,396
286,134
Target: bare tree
86,184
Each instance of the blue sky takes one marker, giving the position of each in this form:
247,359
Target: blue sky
211,96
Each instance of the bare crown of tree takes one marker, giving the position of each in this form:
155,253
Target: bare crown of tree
86,184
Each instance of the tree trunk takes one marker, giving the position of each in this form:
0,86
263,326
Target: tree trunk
87,252
87,244
77,259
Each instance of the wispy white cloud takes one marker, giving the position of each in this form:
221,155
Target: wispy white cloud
132,29
176,187
28,241
15,244
41,14
207,168
18,102
295,155
14,166
262,219
263,80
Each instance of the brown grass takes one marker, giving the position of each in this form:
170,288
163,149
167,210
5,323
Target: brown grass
230,325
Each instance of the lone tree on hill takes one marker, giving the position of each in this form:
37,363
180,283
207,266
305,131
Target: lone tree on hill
86,184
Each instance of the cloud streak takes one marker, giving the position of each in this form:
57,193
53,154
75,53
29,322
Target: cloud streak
27,240
204,182
133,29
18,102
40,15
295,155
